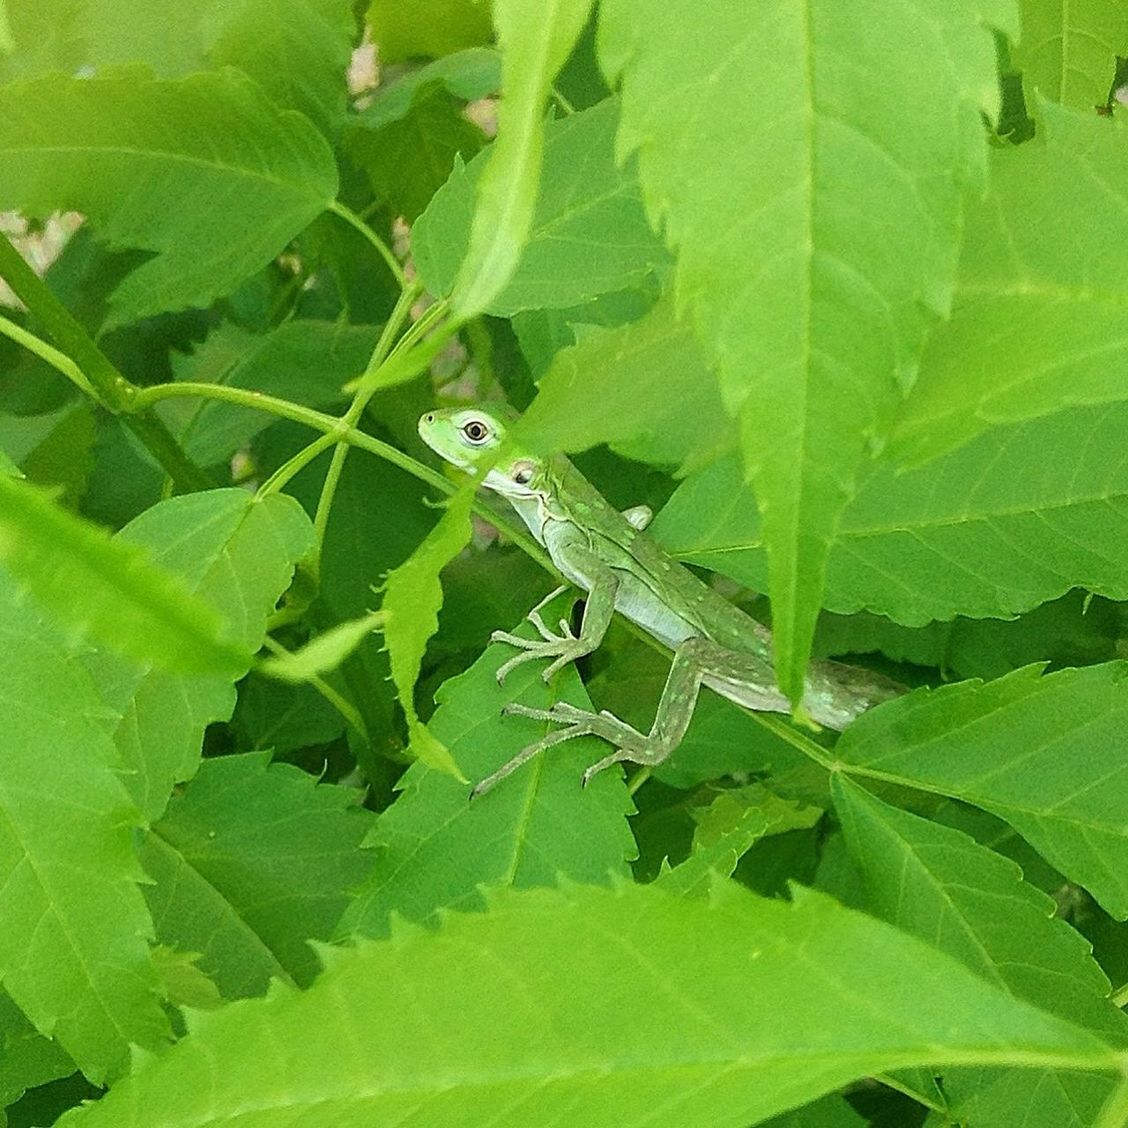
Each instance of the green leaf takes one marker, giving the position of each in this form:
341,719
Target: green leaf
305,362
226,178
468,75
727,828
942,886
1040,318
111,590
8,467
756,163
670,1014
7,43
249,864
403,29
828,1112
413,595
73,952
657,399
323,653
284,717
27,1058
1068,51
531,829
535,42
1016,517
587,236
1045,753
232,552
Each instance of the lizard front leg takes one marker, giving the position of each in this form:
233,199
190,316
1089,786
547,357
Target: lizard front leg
567,647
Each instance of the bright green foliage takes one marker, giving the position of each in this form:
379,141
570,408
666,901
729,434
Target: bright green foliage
588,235
1040,319
412,598
1068,52
325,652
110,590
727,829
1042,752
237,555
1017,516
942,886
436,850
707,983
811,303
535,41
250,864
73,953
218,207
405,29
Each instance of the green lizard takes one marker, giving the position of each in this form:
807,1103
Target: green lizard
607,554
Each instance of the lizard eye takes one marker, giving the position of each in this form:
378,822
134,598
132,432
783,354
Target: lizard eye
523,473
476,431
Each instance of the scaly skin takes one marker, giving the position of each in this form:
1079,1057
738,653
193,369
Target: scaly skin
607,554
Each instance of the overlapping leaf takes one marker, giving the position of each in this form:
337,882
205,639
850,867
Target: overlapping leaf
204,170
437,850
249,864
1040,318
236,554
809,289
73,951
1047,754
670,1014
588,235
1014,518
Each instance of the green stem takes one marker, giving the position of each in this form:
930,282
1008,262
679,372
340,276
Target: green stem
105,383
57,360
385,252
1120,996
298,462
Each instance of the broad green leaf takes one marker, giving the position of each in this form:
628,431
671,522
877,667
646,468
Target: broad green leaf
531,829
73,951
535,40
250,863
587,236
1068,51
1016,517
324,652
8,467
727,829
409,158
828,1112
7,43
284,717
468,75
656,398
413,595
232,552
404,29
64,457
669,1014
302,361
42,38
1045,753
27,1058
1002,1098
111,590
1040,318
227,180
810,294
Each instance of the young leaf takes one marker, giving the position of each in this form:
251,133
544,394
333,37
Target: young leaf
226,178
588,234
249,864
726,830
73,951
110,589
532,828
412,598
1068,53
669,1014
323,653
1016,517
535,41
1045,753
1032,330
234,553
760,163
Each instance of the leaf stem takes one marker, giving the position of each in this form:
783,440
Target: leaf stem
57,360
385,252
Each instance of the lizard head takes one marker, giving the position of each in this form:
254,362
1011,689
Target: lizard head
474,440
